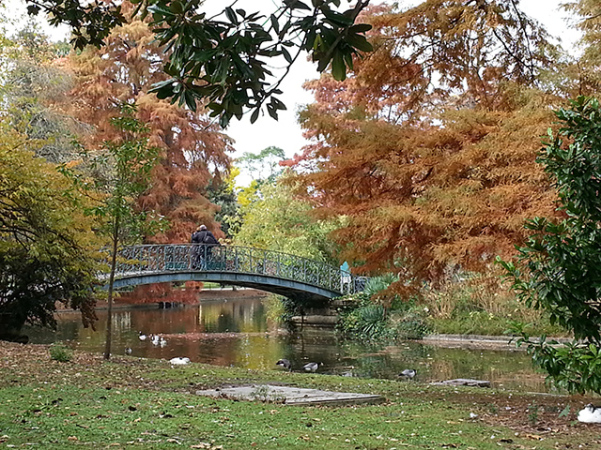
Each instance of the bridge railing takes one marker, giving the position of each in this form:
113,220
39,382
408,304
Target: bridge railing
247,260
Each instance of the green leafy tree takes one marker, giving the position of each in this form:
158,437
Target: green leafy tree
47,246
558,268
263,166
133,160
225,58
223,194
277,221
126,164
31,83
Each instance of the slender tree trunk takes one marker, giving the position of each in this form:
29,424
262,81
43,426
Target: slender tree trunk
109,317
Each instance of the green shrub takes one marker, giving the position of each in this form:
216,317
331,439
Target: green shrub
60,353
367,322
376,285
411,325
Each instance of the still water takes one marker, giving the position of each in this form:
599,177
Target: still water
236,333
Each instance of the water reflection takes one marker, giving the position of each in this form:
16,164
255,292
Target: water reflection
235,333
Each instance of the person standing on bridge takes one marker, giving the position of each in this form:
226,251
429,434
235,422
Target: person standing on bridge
201,253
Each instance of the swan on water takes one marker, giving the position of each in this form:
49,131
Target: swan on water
159,340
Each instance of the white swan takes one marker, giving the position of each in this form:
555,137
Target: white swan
159,340
179,361
590,414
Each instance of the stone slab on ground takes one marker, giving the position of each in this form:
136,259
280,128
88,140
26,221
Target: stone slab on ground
289,395
463,382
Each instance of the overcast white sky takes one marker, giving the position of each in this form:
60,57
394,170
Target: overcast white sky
286,133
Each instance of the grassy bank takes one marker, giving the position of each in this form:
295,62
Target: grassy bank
480,304
134,403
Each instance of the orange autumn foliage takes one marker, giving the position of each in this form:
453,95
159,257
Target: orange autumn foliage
194,148
429,148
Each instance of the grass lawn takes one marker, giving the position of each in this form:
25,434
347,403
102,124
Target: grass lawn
141,403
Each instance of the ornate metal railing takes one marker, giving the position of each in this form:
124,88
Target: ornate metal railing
193,257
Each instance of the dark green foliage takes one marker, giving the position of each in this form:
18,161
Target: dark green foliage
368,321
30,286
222,195
60,353
559,267
364,319
225,58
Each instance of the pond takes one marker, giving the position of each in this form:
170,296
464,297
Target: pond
235,332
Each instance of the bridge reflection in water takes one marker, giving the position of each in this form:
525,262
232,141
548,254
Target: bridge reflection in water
292,276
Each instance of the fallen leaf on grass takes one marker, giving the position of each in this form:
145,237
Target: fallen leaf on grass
534,436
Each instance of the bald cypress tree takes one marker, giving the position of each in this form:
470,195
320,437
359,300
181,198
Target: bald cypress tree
194,150
428,148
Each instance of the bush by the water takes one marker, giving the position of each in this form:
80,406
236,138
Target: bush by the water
366,318
467,303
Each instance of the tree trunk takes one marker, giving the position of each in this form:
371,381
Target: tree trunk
109,317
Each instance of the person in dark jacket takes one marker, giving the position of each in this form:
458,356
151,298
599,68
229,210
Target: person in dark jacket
201,253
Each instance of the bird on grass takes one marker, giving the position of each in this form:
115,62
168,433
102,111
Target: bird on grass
408,373
179,361
142,336
286,364
590,414
128,351
312,366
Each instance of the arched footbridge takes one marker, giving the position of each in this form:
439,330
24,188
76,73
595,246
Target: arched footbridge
281,273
